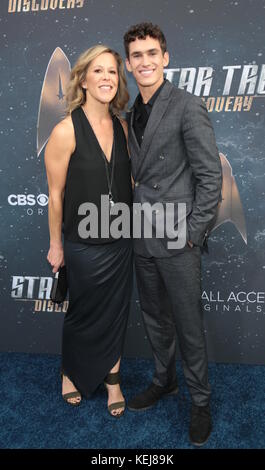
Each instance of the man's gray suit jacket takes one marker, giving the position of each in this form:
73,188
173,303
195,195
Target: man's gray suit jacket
178,161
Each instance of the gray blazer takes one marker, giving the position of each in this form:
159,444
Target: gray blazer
178,162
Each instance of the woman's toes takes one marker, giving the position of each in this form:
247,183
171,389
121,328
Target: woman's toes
117,412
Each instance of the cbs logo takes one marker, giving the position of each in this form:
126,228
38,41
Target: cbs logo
28,200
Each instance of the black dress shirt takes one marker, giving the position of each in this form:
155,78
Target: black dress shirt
142,113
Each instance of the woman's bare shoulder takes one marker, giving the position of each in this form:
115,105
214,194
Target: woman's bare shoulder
62,138
64,129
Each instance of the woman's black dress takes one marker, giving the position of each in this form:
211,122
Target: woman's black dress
99,270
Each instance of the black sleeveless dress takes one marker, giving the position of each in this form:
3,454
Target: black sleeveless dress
99,270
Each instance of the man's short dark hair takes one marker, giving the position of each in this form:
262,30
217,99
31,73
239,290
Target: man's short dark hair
140,31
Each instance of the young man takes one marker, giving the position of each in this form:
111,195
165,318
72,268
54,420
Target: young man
174,159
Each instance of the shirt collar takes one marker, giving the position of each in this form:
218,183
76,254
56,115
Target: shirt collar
139,101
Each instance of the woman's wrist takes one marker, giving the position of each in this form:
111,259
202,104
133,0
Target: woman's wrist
56,244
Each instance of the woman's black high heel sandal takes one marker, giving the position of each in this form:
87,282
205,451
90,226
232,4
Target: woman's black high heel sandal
113,378
68,396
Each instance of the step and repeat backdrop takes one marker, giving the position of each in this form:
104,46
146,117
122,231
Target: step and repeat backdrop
216,52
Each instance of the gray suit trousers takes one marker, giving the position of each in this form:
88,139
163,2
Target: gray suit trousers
170,298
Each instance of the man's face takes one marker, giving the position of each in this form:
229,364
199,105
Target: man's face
146,61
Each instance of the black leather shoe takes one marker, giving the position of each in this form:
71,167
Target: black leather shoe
150,396
200,424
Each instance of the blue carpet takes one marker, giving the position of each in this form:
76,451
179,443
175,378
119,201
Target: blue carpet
33,414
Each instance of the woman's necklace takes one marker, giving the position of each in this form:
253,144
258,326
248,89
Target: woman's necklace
112,159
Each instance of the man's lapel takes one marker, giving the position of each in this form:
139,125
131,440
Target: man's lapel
133,140
157,113
139,154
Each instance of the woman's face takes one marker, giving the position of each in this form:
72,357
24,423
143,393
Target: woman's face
101,82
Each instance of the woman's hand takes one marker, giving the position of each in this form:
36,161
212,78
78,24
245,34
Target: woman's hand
56,257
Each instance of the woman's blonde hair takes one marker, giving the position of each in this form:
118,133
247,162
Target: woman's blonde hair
76,94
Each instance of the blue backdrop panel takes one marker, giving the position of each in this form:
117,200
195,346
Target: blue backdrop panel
217,52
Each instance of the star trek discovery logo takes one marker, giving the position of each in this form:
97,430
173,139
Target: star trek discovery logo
52,100
36,290
26,6
239,85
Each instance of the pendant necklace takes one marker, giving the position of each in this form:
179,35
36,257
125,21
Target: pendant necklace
112,162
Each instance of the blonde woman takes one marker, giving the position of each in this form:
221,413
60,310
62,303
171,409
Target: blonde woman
86,158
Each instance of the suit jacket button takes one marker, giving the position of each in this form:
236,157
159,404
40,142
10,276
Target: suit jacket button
137,183
156,186
161,157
